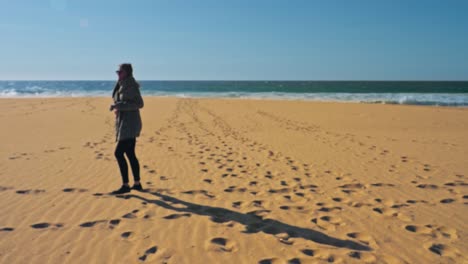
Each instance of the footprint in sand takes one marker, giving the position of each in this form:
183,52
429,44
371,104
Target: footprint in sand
362,256
30,191
320,254
269,261
46,225
353,186
208,181
341,200
447,200
163,178
131,215
428,186
426,230
137,213
236,204
74,190
310,187
253,183
391,212
357,204
361,237
416,201
328,223
176,216
92,223
126,234
456,183
427,167
465,197
442,249
6,229
112,223
221,244
301,194
447,232
332,219
257,203
309,252
150,251
200,192
433,231
294,261
282,190
5,188
380,184
289,207
235,189
328,207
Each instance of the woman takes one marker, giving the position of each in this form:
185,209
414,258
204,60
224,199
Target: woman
127,102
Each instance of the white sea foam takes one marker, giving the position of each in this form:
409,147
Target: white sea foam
441,99
384,98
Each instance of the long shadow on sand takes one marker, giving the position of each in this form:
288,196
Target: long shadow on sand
253,222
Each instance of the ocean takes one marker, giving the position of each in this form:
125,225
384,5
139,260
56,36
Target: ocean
438,93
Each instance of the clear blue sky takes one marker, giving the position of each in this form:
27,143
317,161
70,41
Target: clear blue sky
235,39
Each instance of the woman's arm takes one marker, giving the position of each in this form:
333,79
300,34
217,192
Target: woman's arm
132,100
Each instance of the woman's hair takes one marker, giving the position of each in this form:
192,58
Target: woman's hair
127,67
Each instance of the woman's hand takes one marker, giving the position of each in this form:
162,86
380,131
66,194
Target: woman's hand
114,108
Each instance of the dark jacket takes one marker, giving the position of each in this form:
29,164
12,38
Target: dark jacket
127,100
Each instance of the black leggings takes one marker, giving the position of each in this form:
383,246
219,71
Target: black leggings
127,146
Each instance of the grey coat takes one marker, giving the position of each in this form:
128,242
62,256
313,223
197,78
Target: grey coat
127,100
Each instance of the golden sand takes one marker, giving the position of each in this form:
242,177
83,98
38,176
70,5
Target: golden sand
235,181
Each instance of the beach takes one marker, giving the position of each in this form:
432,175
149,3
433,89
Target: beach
235,181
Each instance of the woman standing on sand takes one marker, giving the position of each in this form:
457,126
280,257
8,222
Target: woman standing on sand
127,102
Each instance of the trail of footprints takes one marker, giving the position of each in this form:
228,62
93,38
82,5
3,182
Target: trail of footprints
379,207
235,162
22,156
230,163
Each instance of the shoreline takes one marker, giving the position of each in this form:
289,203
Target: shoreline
243,98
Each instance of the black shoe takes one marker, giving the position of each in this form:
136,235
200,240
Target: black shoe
122,190
137,187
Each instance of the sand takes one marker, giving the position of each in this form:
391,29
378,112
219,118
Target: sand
235,181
